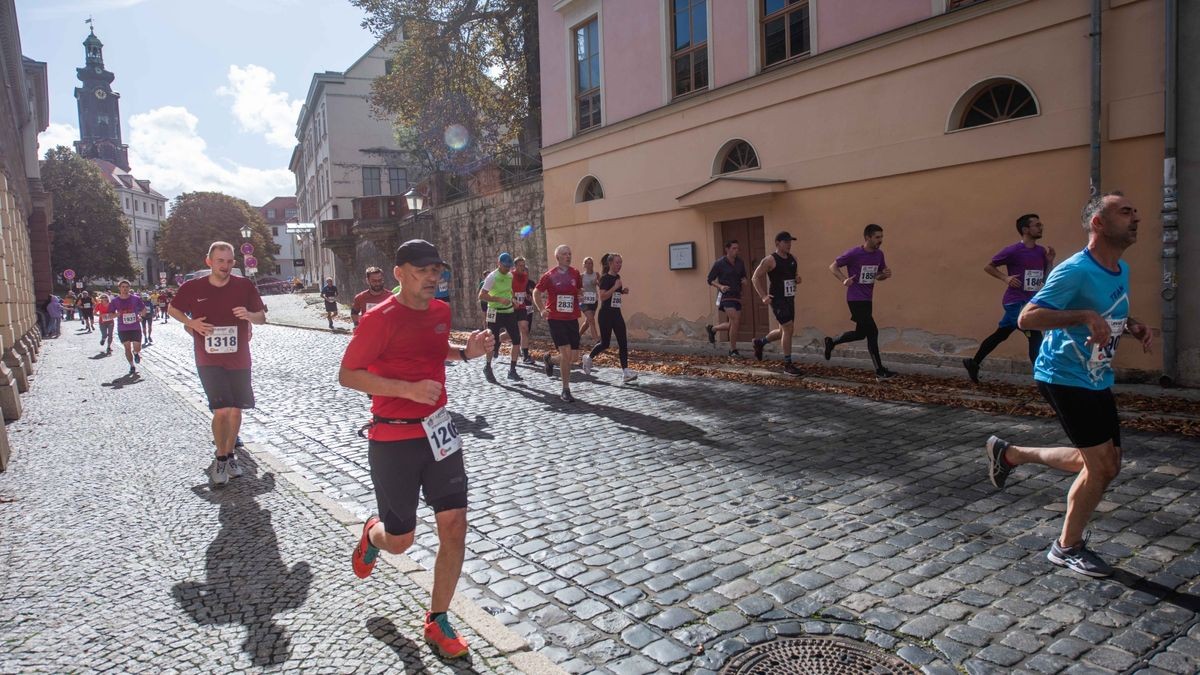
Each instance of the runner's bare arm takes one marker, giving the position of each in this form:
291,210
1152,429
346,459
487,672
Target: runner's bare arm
196,324
837,272
242,313
760,277
479,343
1034,317
423,391
1141,332
994,271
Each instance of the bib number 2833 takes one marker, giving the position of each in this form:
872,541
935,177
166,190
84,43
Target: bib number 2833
442,434
222,340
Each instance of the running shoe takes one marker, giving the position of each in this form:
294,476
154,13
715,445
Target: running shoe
237,442
101,341
137,357
759,343
884,374
972,369
735,354
549,366
439,634
791,369
712,334
235,467
566,396
108,351
1079,558
512,374
132,371
998,470
364,556
528,360
488,374
218,473
828,348
629,375
587,364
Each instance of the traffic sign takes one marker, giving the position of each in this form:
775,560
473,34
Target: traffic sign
251,261
178,279
247,248
251,270
68,274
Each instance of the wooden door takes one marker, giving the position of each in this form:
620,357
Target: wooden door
749,234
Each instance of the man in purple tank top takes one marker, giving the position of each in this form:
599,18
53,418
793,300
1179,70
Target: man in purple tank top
864,266
1026,265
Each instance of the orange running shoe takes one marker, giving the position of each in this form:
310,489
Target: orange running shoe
438,633
364,556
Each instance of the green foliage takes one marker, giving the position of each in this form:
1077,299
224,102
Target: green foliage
462,62
199,218
89,233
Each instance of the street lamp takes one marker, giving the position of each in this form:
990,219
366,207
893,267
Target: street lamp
246,232
415,201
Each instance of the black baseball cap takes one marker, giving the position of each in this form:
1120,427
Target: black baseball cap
419,253
785,236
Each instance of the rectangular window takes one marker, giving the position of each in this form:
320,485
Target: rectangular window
127,203
689,45
587,74
275,231
270,214
290,213
784,30
388,64
397,181
370,175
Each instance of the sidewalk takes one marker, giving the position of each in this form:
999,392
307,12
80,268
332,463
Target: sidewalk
117,555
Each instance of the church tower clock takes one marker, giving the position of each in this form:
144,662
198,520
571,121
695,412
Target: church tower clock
99,109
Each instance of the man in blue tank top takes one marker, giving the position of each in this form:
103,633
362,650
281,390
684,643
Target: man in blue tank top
1083,309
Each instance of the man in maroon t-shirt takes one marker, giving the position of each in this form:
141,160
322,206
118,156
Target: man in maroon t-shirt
398,355
217,310
557,297
374,295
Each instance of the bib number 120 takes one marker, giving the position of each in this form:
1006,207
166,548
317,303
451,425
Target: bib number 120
442,434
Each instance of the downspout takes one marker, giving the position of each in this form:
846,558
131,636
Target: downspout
1094,182
1170,208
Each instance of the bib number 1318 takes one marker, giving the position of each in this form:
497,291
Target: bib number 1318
222,340
442,434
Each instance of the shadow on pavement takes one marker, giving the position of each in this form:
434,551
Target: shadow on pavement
475,428
382,629
123,381
101,355
247,581
1168,595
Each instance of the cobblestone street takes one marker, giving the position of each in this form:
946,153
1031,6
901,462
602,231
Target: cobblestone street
659,527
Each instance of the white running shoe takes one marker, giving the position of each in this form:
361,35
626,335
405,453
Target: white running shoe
218,473
587,364
235,467
630,375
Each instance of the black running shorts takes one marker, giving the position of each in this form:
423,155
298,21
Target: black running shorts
506,322
226,388
731,303
564,333
130,335
399,469
331,307
784,309
1088,416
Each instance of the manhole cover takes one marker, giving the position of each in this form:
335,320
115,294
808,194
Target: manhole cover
817,656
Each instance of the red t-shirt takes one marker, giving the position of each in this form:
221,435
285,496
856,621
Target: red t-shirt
199,298
401,343
564,288
102,310
520,281
367,300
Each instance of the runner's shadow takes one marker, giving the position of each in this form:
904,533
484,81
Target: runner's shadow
101,355
1168,595
246,581
382,629
475,428
123,381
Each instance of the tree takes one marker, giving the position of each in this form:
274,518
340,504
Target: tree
465,70
89,233
199,218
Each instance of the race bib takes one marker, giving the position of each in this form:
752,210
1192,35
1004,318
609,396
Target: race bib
519,298
129,318
564,303
107,317
867,274
442,434
1033,280
589,297
222,340
370,305
615,303
491,314
789,288
1102,355
718,298
443,286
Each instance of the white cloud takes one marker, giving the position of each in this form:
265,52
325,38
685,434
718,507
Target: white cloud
54,9
260,110
58,133
166,149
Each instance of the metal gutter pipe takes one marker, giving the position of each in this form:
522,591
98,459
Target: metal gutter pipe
1170,207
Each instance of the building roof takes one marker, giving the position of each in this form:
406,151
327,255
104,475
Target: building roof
123,180
281,206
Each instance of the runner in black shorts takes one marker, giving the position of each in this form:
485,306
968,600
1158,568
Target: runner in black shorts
501,313
727,275
1084,307
522,296
775,281
560,290
329,295
611,292
398,357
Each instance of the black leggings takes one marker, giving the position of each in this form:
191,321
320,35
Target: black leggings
992,341
611,321
864,327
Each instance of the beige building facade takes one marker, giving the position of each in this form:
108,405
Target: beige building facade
874,118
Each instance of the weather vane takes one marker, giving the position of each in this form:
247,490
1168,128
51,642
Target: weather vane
91,23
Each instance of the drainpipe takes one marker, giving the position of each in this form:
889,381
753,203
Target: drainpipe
1170,208
1094,182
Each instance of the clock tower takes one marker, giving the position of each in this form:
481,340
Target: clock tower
99,109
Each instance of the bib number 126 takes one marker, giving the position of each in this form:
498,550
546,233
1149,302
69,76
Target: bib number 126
442,434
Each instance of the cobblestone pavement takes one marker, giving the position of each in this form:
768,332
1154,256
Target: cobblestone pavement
116,556
672,524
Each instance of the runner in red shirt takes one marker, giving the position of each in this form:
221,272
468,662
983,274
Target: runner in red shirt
563,286
374,295
521,296
398,356
217,310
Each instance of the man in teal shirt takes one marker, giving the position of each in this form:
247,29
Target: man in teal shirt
1084,307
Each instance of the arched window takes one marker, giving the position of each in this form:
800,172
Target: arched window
736,155
994,100
589,190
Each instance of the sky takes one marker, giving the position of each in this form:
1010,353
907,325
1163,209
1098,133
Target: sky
210,89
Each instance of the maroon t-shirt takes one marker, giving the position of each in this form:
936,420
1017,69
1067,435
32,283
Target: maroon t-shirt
199,298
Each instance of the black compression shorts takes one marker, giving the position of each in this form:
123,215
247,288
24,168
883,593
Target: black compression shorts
401,469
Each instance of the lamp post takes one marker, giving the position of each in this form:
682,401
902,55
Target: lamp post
415,201
246,234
